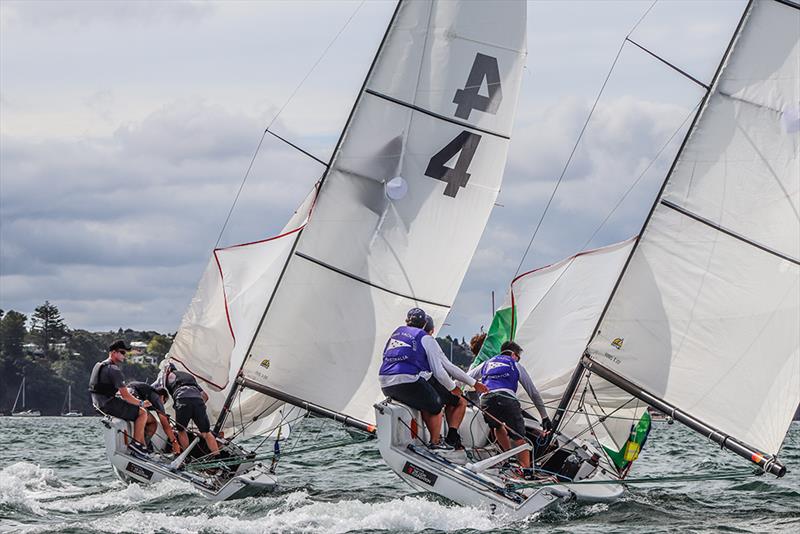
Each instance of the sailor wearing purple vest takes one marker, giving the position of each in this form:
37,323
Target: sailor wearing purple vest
410,368
502,374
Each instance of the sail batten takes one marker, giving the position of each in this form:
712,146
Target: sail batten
352,276
724,230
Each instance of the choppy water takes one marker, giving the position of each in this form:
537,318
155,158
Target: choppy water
54,478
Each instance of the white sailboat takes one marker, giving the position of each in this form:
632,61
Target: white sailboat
679,318
68,403
23,412
302,318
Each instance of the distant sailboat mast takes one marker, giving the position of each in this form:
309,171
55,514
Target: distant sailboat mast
700,222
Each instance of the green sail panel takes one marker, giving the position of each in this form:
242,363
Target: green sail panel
501,330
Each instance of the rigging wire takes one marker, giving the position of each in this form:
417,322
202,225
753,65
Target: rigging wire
277,114
580,137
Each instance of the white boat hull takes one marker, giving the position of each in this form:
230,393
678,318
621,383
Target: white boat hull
450,475
250,478
27,413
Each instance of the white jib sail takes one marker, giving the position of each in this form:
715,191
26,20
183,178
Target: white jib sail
555,309
404,204
708,310
225,311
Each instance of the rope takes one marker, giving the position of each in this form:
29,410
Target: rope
275,117
580,137
257,458
729,475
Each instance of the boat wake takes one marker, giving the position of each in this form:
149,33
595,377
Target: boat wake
291,512
25,486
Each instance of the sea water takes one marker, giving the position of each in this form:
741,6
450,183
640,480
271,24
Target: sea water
54,478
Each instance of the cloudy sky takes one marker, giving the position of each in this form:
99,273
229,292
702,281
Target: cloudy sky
126,130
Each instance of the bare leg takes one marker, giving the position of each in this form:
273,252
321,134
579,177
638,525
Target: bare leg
502,438
138,425
150,426
211,442
455,414
524,457
434,424
183,439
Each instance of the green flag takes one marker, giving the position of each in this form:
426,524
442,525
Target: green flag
499,332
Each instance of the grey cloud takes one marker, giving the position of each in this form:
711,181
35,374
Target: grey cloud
131,219
44,12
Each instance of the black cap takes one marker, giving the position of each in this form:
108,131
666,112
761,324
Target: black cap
428,323
416,317
118,345
510,346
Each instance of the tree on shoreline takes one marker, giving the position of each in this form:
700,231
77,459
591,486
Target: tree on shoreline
47,325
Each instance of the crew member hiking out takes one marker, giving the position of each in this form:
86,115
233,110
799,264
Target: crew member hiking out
410,370
190,404
106,382
502,374
455,405
156,395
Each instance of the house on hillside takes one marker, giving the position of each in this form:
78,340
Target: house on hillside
139,347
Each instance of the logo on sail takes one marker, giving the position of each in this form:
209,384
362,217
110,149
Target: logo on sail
617,343
265,363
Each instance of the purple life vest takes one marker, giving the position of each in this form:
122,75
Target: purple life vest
404,353
500,372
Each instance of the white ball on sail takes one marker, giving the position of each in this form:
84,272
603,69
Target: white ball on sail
396,188
791,120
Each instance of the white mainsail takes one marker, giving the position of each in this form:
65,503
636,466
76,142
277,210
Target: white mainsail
706,314
401,210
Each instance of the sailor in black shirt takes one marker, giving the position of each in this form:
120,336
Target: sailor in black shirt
107,382
156,394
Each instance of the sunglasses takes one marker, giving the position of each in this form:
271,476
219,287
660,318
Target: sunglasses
123,352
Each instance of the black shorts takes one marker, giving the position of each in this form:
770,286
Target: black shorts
121,409
192,409
448,399
507,410
420,395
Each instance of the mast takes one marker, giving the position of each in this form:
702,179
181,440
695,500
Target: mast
19,391
235,389
581,368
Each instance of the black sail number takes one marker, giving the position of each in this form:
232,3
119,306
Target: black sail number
484,67
464,145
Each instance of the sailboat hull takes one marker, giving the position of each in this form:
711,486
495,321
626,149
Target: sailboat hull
450,475
250,478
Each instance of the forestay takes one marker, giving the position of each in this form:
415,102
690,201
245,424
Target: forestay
404,203
706,314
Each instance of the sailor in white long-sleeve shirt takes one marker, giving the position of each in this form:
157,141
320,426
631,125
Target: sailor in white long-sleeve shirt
413,372
455,405
502,374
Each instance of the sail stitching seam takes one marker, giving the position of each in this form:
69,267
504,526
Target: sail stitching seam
365,281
